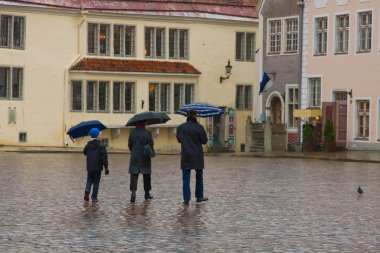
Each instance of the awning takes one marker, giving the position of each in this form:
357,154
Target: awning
307,113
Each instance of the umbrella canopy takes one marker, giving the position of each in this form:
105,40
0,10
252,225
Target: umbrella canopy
83,128
203,110
150,118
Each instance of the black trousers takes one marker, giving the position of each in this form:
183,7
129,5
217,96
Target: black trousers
147,183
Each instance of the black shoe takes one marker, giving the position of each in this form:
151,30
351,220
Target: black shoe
133,198
148,196
202,199
86,195
94,200
186,203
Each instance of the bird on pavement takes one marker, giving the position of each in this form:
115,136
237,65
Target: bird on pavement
360,191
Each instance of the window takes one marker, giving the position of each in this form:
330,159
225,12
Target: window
362,117
123,96
291,34
321,36
124,40
76,95
245,46
178,44
275,36
159,97
292,100
97,96
98,39
365,31
12,32
314,92
154,42
183,94
11,83
22,137
342,34
244,97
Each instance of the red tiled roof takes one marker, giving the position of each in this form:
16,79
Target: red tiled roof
143,66
238,8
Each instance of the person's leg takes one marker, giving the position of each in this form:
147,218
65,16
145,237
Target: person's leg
186,185
97,176
147,186
133,186
89,182
199,186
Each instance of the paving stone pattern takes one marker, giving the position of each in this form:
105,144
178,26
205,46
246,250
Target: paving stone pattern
255,205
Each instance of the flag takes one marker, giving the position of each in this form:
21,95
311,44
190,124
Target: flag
265,83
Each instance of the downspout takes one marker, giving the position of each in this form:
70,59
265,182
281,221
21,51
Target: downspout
301,4
66,78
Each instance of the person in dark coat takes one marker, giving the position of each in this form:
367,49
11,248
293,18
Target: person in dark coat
96,159
192,135
139,162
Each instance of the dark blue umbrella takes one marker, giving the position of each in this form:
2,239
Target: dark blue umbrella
84,127
203,110
150,118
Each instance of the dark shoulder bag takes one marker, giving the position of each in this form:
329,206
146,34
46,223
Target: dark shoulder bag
148,149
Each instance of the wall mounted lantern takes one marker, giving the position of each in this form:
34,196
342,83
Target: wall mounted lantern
350,93
228,72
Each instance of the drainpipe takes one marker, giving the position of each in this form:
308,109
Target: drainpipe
301,5
66,77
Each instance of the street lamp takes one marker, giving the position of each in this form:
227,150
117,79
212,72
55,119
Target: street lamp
228,72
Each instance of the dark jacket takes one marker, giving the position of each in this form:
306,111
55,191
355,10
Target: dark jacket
96,153
139,163
191,135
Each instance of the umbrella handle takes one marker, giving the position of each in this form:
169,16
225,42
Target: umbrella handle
72,139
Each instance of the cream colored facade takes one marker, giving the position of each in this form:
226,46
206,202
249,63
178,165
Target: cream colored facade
57,39
352,69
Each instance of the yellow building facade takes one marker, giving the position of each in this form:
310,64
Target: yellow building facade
60,66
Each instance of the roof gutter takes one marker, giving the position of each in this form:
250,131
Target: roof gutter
134,73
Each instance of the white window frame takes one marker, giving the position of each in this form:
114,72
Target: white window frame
337,30
243,47
315,37
72,96
177,44
182,94
286,33
295,104
153,43
283,35
157,93
269,35
357,34
97,39
309,95
9,84
123,97
123,40
244,103
356,123
96,96
11,34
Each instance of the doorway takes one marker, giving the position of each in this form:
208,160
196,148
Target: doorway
276,110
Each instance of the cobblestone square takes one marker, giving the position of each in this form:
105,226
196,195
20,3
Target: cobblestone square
255,205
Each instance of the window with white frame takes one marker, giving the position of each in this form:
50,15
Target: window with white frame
362,119
11,83
178,43
159,97
342,33
98,39
293,103
154,42
365,31
76,95
314,92
320,36
245,46
291,34
123,96
274,36
12,32
97,96
183,94
244,97
124,40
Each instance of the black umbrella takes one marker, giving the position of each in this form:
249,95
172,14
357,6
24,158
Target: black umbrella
84,127
150,118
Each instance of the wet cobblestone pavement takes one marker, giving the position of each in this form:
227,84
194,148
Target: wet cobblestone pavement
255,205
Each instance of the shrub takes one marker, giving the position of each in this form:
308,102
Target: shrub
307,132
329,131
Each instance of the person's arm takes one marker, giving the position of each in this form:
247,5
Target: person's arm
202,135
130,142
104,158
85,149
178,134
150,139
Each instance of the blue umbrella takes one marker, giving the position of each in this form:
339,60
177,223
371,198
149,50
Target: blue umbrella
203,110
84,127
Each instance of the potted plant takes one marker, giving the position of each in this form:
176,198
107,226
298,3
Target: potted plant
308,142
329,136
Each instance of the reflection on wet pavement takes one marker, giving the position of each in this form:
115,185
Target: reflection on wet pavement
256,205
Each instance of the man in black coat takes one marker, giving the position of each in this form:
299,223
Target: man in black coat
192,135
96,159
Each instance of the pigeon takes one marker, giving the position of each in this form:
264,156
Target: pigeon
360,191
